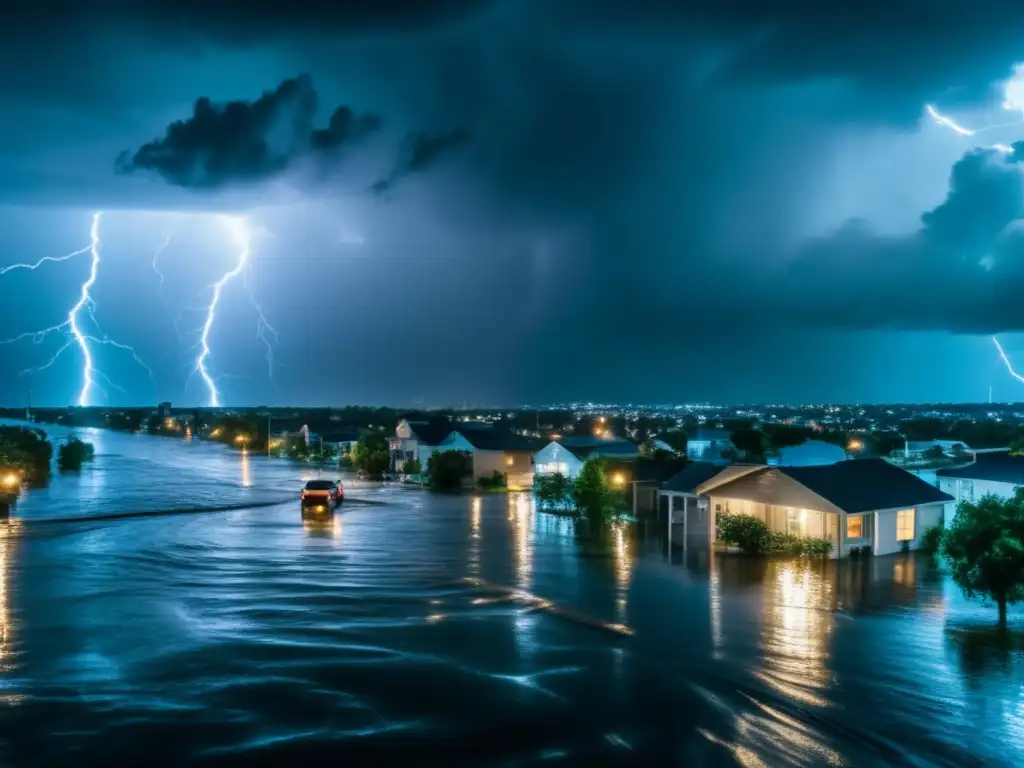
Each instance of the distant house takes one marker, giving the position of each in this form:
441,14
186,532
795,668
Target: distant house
859,503
808,454
709,444
416,440
916,449
495,450
566,455
673,442
995,472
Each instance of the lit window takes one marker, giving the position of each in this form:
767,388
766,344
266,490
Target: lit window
905,525
510,460
793,521
854,527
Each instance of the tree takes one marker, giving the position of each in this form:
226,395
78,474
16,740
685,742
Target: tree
753,443
412,467
554,490
984,549
1017,446
370,454
592,495
26,450
74,453
447,469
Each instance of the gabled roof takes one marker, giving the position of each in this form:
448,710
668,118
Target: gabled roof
499,440
702,476
430,432
860,485
998,466
583,447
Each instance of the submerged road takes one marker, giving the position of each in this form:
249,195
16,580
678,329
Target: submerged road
458,629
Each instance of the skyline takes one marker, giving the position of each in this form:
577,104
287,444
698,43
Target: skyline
457,204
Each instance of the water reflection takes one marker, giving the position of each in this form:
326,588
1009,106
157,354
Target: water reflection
475,537
798,624
622,558
246,470
521,515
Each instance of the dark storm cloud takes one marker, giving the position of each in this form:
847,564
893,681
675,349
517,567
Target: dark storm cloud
247,141
899,53
423,151
963,270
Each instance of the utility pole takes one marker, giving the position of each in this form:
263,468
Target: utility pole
268,434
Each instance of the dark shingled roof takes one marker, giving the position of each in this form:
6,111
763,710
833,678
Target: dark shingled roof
499,440
864,485
695,475
582,446
430,433
998,466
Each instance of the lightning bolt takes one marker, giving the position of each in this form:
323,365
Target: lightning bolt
263,327
156,260
954,126
72,325
1006,360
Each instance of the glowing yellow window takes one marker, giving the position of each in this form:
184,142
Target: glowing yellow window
854,527
905,525
510,460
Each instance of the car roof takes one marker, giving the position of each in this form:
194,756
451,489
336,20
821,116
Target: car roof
320,484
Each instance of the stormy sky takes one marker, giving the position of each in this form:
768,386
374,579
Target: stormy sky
513,201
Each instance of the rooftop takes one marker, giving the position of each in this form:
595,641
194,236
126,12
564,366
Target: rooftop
859,485
998,466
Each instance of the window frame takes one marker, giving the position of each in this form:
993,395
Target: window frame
900,526
860,529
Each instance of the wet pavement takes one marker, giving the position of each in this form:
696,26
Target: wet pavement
441,630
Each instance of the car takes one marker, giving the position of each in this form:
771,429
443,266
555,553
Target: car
326,493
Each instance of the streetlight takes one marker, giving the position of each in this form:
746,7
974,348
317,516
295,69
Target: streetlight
11,480
855,445
618,479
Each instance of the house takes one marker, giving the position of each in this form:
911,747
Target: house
566,455
709,444
859,503
416,440
916,449
495,450
808,454
995,472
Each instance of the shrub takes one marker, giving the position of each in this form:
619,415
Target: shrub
493,483
743,531
554,490
931,539
74,453
447,470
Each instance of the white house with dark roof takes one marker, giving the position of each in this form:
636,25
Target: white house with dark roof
416,440
859,503
566,455
994,472
495,450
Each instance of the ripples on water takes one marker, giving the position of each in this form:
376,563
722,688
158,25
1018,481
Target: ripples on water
439,630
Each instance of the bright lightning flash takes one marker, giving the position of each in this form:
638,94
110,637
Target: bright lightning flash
239,229
1006,361
241,234
72,326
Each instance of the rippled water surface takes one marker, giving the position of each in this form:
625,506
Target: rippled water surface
459,629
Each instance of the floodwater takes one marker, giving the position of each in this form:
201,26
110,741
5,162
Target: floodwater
410,628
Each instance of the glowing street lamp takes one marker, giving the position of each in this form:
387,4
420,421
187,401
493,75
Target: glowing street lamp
855,445
11,480
618,479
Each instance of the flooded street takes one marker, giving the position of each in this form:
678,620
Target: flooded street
435,629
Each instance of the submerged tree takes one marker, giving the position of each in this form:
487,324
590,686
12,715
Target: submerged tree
74,453
593,496
554,491
984,548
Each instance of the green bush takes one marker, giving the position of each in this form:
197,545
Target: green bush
553,491
753,537
931,539
74,453
743,531
493,483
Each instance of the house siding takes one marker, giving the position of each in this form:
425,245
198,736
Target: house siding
553,453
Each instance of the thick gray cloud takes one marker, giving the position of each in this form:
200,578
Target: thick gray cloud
244,141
